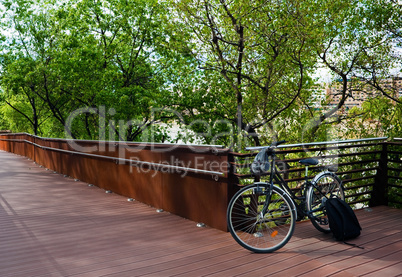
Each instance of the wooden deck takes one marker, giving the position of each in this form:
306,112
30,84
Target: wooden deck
51,225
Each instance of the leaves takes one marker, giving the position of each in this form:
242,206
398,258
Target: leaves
230,72
92,54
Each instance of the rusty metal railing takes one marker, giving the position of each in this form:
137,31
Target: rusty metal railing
164,176
157,166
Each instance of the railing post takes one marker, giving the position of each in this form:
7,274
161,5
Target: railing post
379,195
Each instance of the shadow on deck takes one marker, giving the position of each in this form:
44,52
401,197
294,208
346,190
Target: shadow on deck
51,225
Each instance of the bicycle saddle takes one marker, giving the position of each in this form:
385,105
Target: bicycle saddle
309,161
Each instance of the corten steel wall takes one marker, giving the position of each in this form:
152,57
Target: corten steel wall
136,171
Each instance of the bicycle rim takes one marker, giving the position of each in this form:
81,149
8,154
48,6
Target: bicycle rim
261,234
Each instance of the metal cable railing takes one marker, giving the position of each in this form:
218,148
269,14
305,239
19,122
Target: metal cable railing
320,143
156,166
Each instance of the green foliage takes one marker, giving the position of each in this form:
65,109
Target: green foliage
235,73
376,117
258,65
87,56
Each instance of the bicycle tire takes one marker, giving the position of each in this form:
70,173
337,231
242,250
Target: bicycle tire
261,235
330,186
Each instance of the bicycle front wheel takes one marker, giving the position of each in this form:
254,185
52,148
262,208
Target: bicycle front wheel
253,230
325,185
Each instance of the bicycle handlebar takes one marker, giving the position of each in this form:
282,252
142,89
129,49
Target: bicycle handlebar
272,146
276,143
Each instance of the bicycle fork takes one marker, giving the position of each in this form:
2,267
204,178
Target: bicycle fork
267,200
270,189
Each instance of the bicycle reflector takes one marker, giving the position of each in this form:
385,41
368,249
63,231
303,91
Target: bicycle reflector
274,233
260,164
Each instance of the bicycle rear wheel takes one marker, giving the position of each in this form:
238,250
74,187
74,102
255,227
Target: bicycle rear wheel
254,232
327,185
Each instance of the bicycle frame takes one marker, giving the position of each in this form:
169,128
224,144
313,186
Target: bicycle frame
261,216
275,177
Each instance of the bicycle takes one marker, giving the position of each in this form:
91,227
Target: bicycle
262,216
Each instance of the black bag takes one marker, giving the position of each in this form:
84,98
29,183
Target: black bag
342,219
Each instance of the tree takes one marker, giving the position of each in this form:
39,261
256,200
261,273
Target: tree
126,44
266,51
96,62
223,69
259,52
19,95
20,60
357,49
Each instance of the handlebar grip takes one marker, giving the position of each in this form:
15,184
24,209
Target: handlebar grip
278,142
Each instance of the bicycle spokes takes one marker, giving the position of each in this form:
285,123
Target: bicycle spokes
261,220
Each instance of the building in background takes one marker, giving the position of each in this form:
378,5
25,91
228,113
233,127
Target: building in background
359,91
